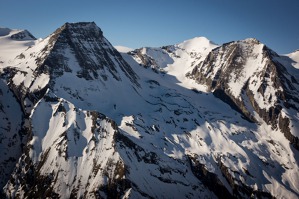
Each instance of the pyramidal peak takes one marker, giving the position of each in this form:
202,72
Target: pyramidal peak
191,120
84,29
76,51
88,46
16,34
80,27
22,35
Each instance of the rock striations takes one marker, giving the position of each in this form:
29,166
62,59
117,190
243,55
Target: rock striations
247,75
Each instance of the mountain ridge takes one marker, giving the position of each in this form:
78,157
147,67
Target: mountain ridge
96,123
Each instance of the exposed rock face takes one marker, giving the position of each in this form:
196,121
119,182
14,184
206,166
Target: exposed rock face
246,75
92,51
145,60
76,51
80,49
23,35
80,120
11,134
77,154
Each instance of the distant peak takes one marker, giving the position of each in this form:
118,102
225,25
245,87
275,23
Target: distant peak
295,52
202,40
16,34
197,44
23,35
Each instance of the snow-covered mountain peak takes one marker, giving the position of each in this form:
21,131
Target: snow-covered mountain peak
12,43
22,35
76,56
80,120
247,75
78,31
85,44
15,34
250,41
197,44
295,57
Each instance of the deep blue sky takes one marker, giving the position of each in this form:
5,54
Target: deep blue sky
137,23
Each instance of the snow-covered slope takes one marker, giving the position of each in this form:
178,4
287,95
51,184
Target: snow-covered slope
250,77
79,64
12,43
70,153
177,59
123,49
295,57
12,137
235,65
99,124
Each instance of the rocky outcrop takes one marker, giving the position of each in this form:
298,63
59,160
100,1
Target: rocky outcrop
82,155
78,122
12,136
245,75
23,35
92,51
145,60
209,179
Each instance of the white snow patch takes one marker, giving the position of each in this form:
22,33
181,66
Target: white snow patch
123,49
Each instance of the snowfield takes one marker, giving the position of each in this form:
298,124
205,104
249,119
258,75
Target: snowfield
82,119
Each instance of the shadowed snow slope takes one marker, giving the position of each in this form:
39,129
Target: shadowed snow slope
191,120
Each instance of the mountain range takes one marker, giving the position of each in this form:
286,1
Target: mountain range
81,119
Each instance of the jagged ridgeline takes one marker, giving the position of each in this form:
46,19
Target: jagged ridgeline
252,80
192,120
